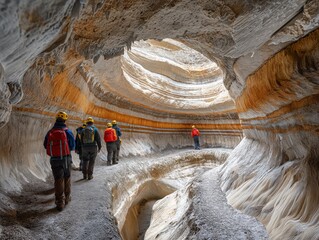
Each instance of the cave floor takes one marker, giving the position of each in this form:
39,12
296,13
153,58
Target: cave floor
88,215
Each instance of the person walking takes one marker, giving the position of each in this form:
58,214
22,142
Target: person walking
78,144
110,139
91,145
195,135
59,142
117,142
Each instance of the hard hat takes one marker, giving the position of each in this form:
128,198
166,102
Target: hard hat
89,120
84,124
114,122
109,124
62,115
193,126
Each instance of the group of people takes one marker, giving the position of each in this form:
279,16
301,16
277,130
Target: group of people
88,144
60,141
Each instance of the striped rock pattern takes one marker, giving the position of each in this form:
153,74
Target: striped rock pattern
105,59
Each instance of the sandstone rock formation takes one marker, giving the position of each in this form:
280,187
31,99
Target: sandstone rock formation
160,66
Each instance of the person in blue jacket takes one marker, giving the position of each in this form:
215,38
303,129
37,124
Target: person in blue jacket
60,158
115,159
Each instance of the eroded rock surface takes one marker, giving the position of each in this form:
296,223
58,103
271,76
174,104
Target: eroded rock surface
68,55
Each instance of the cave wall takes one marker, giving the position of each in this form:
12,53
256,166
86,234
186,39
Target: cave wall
273,173
23,157
66,55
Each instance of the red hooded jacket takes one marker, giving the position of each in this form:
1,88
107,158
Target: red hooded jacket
195,132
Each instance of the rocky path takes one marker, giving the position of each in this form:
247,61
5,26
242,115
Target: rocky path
88,215
215,219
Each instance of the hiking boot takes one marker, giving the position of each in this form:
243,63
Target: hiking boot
85,176
108,163
59,208
115,162
90,177
67,200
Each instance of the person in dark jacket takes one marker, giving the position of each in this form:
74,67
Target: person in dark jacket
117,142
60,163
91,145
78,144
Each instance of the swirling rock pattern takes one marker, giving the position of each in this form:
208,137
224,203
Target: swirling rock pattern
117,60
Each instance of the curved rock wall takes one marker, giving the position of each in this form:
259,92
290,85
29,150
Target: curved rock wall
66,55
273,173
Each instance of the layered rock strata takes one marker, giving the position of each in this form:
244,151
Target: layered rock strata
67,55
273,173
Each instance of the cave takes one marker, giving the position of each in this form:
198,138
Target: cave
245,73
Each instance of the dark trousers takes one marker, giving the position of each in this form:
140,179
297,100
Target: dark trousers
117,151
88,158
196,142
81,159
111,151
61,169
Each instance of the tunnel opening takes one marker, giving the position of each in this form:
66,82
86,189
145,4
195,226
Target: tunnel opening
139,214
149,196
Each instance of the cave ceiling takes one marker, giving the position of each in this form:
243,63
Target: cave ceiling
168,59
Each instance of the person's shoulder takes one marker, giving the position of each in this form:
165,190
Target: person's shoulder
96,129
68,130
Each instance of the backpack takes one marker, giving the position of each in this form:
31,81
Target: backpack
110,135
57,144
78,132
88,135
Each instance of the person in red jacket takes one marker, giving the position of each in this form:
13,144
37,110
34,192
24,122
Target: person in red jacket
110,138
195,135
59,142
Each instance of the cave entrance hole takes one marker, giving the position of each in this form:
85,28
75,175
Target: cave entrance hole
139,214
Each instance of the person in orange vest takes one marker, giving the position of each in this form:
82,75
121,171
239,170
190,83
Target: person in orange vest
195,135
110,138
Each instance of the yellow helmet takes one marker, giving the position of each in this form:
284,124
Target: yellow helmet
109,124
193,126
90,120
62,115
114,122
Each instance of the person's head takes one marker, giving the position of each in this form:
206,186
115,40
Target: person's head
193,126
109,125
61,116
114,122
84,123
89,121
